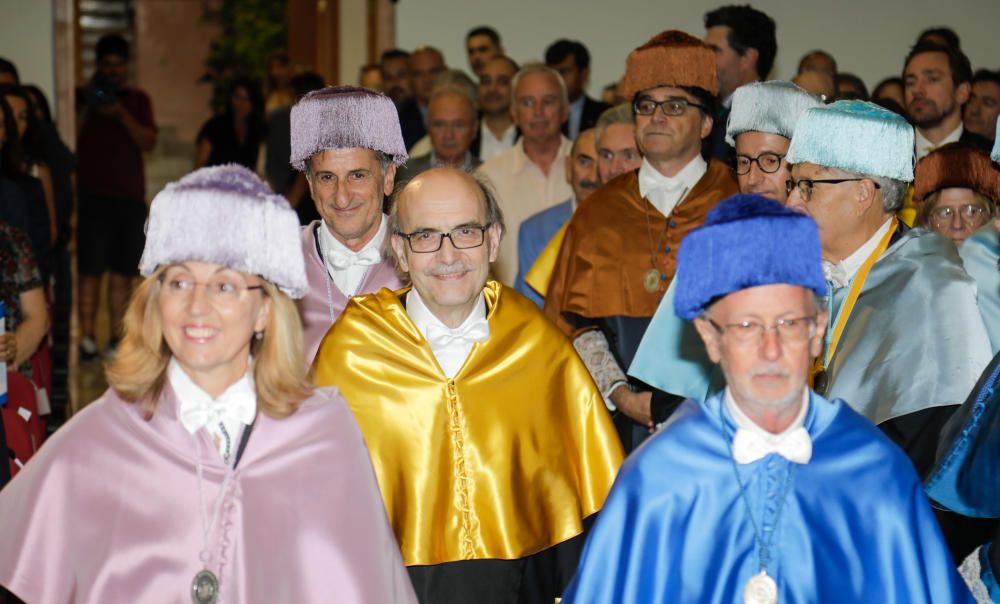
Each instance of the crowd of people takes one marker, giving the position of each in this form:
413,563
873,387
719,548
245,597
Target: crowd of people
712,337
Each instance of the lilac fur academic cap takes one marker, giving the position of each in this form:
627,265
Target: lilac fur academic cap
344,117
746,241
226,215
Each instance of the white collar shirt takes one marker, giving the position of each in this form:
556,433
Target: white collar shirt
840,274
452,354
922,146
352,265
223,417
490,146
666,192
752,442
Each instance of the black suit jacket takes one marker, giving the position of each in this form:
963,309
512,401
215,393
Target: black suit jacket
411,122
976,140
588,117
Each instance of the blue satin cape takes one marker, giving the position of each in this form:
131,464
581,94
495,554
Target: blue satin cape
981,256
856,526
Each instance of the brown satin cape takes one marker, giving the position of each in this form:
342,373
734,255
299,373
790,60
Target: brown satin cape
607,251
504,460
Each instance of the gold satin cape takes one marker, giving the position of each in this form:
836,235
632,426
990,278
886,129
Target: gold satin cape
504,460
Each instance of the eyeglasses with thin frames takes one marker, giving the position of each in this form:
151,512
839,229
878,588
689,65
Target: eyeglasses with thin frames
805,186
220,290
752,332
462,238
969,214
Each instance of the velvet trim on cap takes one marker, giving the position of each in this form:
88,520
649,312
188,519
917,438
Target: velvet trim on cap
957,165
746,241
226,215
345,117
671,58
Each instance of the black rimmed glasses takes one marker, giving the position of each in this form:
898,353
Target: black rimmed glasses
462,238
752,332
672,106
805,186
768,162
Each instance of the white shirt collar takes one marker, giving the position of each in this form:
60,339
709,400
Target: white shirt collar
664,192
452,356
234,408
742,420
349,279
922,146
491,146
841,273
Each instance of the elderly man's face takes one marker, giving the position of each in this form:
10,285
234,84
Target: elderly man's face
957,213
762,151
617,153
539,110
424,68
451,124
768,373
449,280
664,137
834,207
347,186
930,94
581,166
494,85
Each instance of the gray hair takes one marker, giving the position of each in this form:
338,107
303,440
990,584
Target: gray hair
531,68
460,87
893,193
494,215
619,114
384,160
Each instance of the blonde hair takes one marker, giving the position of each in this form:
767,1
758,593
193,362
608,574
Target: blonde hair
138,371
923,218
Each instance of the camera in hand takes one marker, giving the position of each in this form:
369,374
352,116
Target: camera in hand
100,91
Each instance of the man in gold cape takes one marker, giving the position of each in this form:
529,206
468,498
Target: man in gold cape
620,250
490,441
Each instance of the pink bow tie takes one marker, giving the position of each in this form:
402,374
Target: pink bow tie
749,446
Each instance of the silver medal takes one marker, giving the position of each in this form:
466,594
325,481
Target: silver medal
760,589
205,588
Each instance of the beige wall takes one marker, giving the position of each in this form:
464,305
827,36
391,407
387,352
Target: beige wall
27,39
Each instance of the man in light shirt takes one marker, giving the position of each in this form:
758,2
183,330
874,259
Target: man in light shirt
531,175
487,484
350,166
497,131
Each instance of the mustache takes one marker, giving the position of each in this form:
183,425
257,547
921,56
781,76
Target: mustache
589,184
769,369
442,269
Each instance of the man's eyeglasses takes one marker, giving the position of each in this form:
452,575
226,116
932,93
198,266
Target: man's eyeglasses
752,332
672,106
969,214
805,186
462,238
768,162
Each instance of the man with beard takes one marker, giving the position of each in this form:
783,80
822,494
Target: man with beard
936,83
490,442
395,66
536,232
620,249
531,175
671,357
482,44
497,131
347,141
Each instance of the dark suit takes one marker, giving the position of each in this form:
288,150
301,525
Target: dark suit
416,165
715,146
588,117
976,140
411,122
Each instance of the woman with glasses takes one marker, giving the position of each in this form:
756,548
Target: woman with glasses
210,471
957,187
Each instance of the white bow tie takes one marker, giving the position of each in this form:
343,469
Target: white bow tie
341,259
654,185
236,404
836,274
439,336
749,446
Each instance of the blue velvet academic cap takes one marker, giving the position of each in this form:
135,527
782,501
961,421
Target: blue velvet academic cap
855,136
746,241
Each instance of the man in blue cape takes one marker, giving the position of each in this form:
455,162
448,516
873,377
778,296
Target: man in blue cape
766,490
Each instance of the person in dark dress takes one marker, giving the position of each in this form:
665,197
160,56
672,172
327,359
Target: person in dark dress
235,135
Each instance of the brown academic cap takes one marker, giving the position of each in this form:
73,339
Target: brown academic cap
957,165
671,58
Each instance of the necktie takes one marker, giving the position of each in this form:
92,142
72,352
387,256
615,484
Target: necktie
342,259
439,336
236,404
750,445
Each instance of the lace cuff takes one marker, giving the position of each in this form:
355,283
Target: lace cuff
980,583
593,348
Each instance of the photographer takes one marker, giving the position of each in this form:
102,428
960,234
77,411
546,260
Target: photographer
116,127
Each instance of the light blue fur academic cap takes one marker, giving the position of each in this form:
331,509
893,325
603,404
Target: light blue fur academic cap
772,107
857,137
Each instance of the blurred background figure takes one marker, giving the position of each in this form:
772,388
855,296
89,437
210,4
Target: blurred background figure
370,76
235,135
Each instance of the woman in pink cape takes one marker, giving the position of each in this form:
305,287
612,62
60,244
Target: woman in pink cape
210,471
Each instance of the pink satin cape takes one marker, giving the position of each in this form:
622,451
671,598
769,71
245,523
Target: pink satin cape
315,307
108,511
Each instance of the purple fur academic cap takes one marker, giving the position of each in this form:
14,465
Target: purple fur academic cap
226,215
344,117
747,240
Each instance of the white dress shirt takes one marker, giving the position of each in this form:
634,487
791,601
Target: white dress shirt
223,417
794,441
665,192
490,146
841,273
349,278
922,146
451,355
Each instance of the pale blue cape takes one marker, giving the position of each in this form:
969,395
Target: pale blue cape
856,526
981,254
